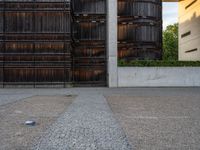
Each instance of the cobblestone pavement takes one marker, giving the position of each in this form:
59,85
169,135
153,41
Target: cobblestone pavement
88,124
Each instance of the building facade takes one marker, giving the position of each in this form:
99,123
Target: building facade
63,42
189,30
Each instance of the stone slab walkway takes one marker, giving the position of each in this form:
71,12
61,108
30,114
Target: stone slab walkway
88,124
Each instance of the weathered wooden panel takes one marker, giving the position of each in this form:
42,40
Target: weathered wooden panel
36,41
52,22
90,76
16,75
90,31
138,33
89,37
1,71
150,8
139,29
89,7
51,75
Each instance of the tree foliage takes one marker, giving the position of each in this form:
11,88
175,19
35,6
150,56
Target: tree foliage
170,42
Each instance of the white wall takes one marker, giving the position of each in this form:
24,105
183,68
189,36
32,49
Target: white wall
189,20
158,76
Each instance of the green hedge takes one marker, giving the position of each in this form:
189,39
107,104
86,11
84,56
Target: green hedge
156,63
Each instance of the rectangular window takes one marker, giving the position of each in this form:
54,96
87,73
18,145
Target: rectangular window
185,34
190,4
192,50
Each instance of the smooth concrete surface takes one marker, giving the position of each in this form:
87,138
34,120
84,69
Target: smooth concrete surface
189,45
112,42
183,4
189,20
112,67
159,77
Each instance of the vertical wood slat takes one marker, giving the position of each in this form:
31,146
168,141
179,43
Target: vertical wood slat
1,44
27,59
34,30
139,29
48,60
4,27
89,36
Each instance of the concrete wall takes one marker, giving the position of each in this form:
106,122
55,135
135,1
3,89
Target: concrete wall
189,21
158,76
112,42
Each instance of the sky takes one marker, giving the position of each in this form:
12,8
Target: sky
170,13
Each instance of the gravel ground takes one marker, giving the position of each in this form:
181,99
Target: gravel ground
44,110
88,124
10,98
159,122
152,118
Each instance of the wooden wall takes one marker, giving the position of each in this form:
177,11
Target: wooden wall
89,42
139,29
38,48
35,42
52,42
